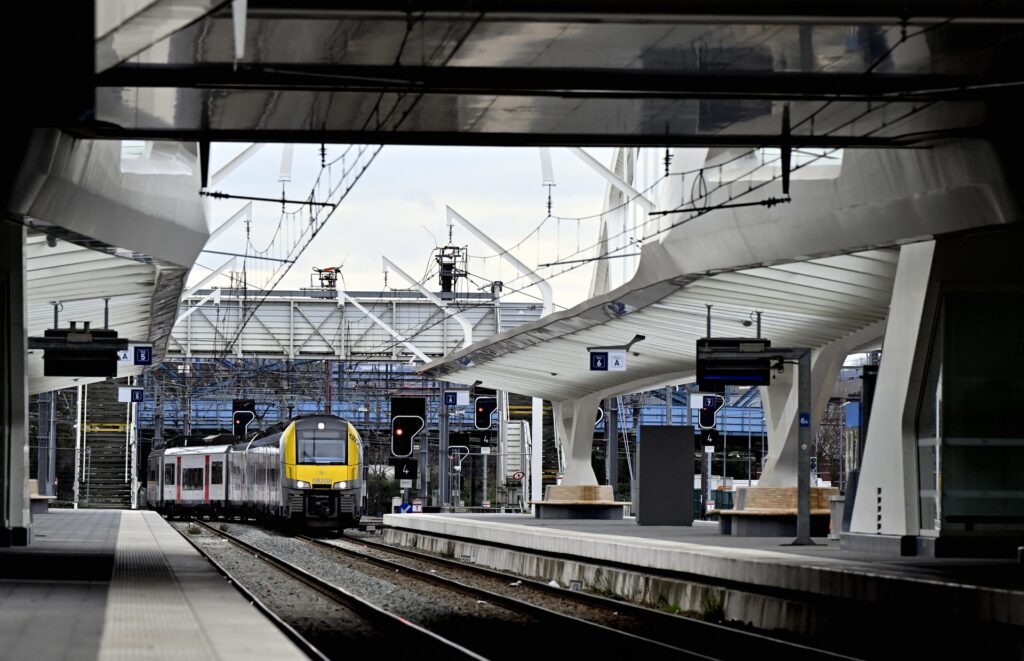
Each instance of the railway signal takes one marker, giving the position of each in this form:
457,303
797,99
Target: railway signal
709,410
240,422
403,429
484,408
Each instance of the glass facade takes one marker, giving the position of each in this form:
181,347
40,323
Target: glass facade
970,446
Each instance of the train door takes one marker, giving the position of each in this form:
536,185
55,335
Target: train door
236,478
169,481
192,489
153,482
217,483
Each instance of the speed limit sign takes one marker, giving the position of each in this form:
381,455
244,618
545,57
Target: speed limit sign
518,475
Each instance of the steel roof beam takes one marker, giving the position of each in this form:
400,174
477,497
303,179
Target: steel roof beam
581,82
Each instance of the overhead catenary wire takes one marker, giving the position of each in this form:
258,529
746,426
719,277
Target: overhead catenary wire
317,223
700,181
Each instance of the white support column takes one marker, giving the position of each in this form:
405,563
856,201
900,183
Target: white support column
128,434
887,501
780,402
537,450
574,429
133,454
467,328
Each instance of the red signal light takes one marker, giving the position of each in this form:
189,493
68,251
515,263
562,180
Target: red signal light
398,432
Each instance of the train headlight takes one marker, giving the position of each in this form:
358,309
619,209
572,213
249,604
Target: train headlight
341,485
301,484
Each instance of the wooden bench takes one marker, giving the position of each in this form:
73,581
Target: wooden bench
771,512
578,502
37,504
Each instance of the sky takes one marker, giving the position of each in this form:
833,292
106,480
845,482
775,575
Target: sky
397,210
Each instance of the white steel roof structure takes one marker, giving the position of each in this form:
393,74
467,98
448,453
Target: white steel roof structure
819,269
103,225
803,304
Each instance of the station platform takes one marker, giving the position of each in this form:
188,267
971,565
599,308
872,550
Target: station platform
765,580
111,584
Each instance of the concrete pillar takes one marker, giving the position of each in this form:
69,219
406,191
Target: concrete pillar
941,471
14,500
888,472
574,429
780,403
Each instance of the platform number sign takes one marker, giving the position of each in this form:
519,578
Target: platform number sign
405,469
598,361
805,420
143,355
451,399
129,394
136,354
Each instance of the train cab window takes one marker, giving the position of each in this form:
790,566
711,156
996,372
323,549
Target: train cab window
217,472
169,475
192,478
152,472
321,446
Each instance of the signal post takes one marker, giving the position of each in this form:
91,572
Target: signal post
408,418
748,361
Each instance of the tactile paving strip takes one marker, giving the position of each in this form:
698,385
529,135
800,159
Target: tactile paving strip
148,615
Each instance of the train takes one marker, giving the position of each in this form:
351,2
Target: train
304,473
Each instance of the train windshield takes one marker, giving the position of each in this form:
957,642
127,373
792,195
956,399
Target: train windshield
321,446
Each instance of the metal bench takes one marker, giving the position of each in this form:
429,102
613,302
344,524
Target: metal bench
772,512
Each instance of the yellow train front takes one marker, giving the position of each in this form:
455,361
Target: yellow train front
308,475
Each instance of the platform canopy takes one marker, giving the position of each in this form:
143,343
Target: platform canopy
109,232
808,303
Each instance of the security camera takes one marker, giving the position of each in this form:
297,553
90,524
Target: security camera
747,323
51,240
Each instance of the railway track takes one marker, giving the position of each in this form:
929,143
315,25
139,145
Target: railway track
664,633
597,635
543,623
409,632
576,621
